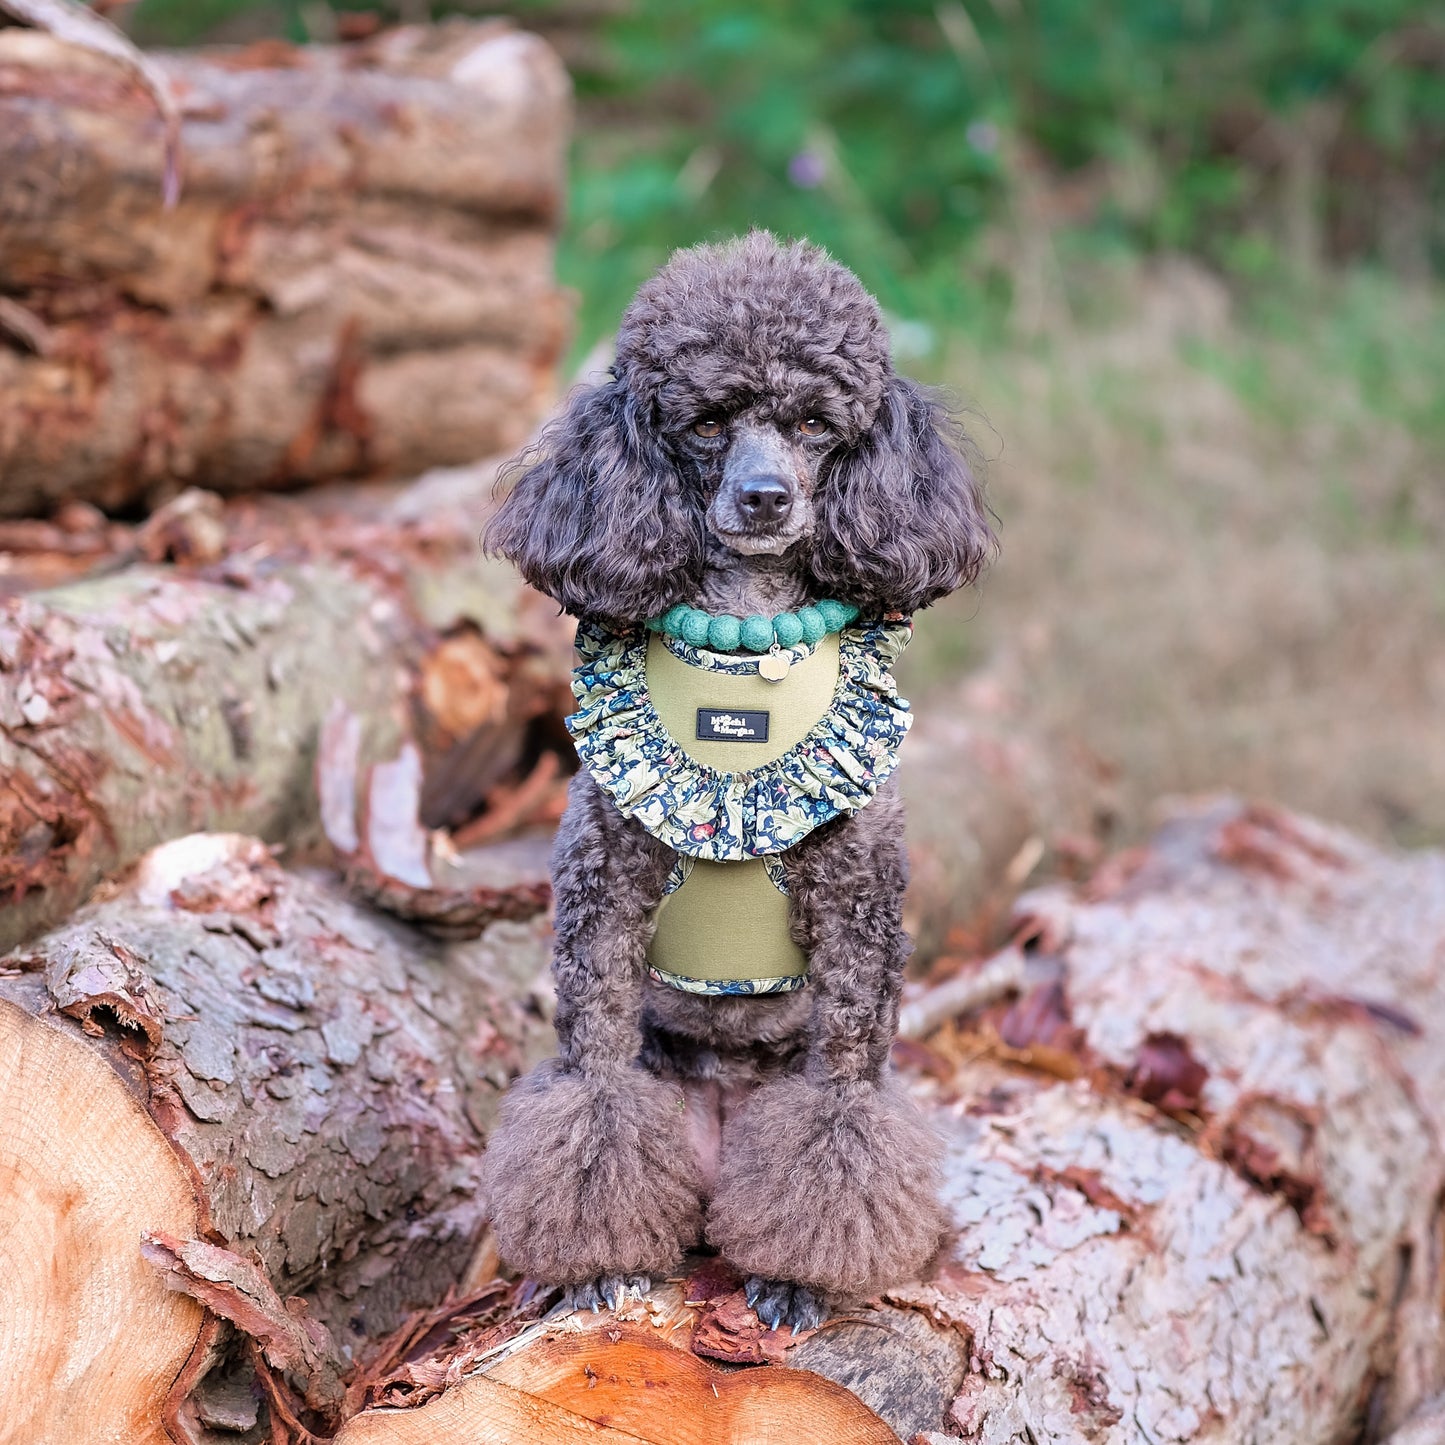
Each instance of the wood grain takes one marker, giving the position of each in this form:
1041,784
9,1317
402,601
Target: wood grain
624,1379
84,1172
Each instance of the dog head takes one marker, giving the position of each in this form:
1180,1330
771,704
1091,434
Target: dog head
752,403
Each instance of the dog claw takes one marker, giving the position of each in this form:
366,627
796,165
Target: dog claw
780,1304
611,1290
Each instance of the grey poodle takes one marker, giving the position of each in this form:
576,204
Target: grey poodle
753,454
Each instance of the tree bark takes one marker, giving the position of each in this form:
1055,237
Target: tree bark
1425,1427
1196,1172
357,279
285,1095
155,701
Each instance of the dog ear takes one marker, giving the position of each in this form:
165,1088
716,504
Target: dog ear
596,517
901,519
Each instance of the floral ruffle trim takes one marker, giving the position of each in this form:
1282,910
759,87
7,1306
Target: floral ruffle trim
682,868
725,817
720,987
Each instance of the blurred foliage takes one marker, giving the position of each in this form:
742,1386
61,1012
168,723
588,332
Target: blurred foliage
919,140
930,143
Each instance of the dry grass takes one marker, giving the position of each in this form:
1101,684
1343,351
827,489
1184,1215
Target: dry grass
1222,549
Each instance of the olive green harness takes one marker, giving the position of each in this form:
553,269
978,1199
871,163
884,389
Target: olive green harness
731,770
728,922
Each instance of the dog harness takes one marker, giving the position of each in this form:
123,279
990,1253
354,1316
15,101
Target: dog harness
730,770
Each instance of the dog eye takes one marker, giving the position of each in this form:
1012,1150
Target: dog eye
813,427
707,427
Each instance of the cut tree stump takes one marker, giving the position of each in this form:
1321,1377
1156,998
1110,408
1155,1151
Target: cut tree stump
624,1381
158,700
357,279
1195,1168
281,1093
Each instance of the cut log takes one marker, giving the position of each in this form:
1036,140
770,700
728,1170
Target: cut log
284,1094
485,1412
1219,1218
83,1174
634,1380
154,701
467,117
357,279
233,402
1196,1172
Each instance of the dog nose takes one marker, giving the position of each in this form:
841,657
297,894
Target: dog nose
765,499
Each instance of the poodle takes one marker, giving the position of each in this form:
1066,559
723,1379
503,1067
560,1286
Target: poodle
755,496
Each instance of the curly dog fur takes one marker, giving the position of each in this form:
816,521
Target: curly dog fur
753,451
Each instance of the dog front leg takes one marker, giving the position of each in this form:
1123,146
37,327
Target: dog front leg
590,1175
827,1188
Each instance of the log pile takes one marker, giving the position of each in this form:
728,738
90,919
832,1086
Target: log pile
284,1092
356,280
1204,1130
277,775
337,664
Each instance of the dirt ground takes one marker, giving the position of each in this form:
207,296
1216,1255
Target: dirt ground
1222,547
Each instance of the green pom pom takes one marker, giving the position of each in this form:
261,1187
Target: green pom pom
814,628
835,614
672,619
788,628
695,627
757,633
724,633
654,624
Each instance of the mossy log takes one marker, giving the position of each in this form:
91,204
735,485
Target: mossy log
234,1081
1195,1168
357,279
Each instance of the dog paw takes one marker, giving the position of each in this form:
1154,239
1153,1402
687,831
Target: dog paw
833,1186
589,1179
782,1305
611,1290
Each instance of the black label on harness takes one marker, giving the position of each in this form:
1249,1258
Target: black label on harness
727,725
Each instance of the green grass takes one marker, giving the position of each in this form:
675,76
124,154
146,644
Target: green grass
1222,519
